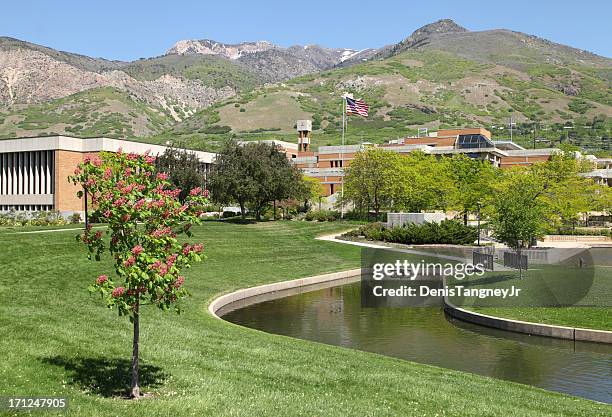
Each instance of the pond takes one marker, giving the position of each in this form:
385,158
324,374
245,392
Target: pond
427,335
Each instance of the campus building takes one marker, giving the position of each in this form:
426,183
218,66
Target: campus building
34,171
328,163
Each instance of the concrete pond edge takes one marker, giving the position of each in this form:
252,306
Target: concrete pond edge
517,326
538,329
243,294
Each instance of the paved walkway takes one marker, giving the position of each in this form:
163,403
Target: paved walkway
333,238
54,230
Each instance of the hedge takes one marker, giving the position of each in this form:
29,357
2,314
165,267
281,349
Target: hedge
447,232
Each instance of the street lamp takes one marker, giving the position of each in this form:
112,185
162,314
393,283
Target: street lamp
86,214
478,204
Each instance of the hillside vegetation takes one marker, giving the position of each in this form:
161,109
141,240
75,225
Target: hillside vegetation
440,76
426,88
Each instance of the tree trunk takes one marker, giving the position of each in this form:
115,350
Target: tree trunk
465,218
274,210
135,392
242,210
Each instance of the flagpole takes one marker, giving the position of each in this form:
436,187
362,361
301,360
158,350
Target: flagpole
342,155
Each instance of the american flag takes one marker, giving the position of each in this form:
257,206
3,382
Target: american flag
357,107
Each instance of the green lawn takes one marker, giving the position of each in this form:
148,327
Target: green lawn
584,294
583,317
57,340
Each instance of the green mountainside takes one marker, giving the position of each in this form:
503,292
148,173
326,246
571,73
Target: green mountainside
441,76
211,70
102,111
423,88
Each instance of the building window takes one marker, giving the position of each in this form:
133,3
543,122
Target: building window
474,141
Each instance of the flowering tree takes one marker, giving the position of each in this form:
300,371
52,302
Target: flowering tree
144,217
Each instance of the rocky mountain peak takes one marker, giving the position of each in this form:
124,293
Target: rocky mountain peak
210,47
422,35
439,27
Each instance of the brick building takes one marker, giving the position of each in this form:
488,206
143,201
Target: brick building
328,163
34,171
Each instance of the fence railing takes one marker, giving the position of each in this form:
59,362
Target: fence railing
480,256
516,261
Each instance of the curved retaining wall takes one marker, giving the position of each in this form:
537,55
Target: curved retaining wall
559,332
236,296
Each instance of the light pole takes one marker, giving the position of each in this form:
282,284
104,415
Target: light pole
86,214
478,204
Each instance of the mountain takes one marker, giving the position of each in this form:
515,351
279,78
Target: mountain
209,47
442,75
202,91
269,62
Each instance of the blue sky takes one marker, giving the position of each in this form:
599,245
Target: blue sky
129,30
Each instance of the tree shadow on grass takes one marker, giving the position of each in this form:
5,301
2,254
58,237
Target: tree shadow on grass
107,377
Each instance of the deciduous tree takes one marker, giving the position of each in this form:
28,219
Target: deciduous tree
145,218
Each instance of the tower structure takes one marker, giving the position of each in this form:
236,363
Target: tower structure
304,128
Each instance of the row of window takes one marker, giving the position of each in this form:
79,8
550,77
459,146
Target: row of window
26,173
27,207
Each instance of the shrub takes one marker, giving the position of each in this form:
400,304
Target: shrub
447,232
322,215
217,129
47,218
228,214
75,218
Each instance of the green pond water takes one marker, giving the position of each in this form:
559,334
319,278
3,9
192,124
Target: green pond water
426,335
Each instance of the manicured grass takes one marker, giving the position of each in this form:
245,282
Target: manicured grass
584,294
60,341
582,317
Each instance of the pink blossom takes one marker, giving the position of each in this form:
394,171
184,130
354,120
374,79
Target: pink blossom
97,162
98,235
195,191
87,159
198,247
149,159
127,172
77,171
137,250
179,282
132,156
90,182
118,292
107,213
139,204
186,249
119,202
171,259
108,173
101,279
162,176
129,262
205,193
161,232
126,218
163,269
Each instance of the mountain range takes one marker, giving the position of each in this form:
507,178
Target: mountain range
201,91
